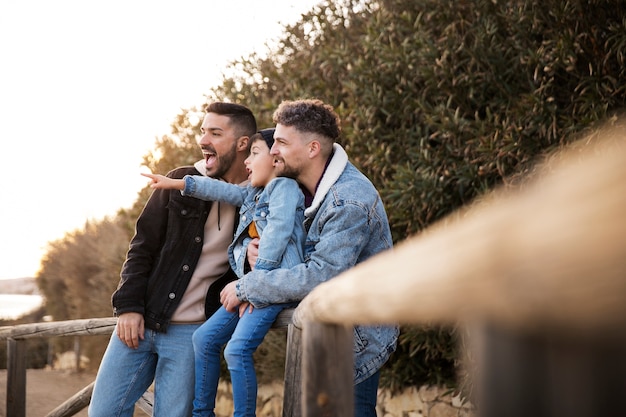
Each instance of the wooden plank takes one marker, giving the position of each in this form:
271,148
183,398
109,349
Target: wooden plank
551,255
292,395
328,369
16,378
82,327
284,319
146,402
86,327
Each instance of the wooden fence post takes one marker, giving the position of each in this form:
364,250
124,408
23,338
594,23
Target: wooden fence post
292,393
16,378
328,370
77,353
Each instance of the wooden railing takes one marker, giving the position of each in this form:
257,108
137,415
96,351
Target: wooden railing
16,337
541,271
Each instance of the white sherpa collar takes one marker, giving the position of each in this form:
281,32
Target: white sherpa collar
335,168
200,167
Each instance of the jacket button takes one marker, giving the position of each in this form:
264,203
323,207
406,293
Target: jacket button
243,218
183,212
263,214
185,268
172,296
198,239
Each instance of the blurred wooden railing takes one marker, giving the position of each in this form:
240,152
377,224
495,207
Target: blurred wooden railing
540,270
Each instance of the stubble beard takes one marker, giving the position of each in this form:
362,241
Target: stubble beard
285,170
224,163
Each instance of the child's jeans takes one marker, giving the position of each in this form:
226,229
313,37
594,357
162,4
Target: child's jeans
243,335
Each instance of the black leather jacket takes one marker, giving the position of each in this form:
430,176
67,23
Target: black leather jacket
163,255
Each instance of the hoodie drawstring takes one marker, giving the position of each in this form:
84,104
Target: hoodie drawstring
219,226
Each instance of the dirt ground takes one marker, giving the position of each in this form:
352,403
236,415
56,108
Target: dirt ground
46,390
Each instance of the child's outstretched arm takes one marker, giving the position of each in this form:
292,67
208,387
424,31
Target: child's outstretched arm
163,182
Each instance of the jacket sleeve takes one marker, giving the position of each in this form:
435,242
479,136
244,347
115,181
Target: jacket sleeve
280,223
344,232
143,251
211,189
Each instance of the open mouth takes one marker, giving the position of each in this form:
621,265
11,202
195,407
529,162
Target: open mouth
209,157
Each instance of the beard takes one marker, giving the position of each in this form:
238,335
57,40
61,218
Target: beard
224,163
284,170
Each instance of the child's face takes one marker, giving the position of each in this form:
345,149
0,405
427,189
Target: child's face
260,164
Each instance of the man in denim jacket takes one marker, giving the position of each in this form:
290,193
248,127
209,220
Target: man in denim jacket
346,224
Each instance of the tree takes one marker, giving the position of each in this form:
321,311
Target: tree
78,274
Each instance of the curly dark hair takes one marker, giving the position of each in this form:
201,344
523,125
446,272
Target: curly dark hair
309,115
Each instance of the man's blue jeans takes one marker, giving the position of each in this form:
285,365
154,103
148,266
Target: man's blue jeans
365,396
125,374
242,336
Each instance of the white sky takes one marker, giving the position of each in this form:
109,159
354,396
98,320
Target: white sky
86,86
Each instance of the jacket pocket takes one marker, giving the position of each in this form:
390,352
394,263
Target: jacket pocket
186,207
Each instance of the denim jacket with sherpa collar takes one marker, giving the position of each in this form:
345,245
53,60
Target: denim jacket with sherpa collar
277,210
346,225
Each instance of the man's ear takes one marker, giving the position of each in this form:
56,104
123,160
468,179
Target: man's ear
314,148
242,143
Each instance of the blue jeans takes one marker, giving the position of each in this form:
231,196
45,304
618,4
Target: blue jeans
242,336
125,374
365,395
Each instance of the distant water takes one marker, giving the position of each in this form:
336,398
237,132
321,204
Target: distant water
13,306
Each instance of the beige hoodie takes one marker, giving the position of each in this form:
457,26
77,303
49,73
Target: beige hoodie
213,262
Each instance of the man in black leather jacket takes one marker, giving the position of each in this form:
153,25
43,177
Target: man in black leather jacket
170,283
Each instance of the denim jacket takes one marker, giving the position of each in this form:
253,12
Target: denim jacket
163,253
346,224
277,210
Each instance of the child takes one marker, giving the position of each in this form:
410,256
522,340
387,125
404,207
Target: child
272,208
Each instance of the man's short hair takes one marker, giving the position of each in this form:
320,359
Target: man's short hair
241,117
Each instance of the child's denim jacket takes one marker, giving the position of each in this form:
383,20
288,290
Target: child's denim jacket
278,213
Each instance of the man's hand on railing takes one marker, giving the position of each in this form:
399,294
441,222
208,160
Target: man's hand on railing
130,328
